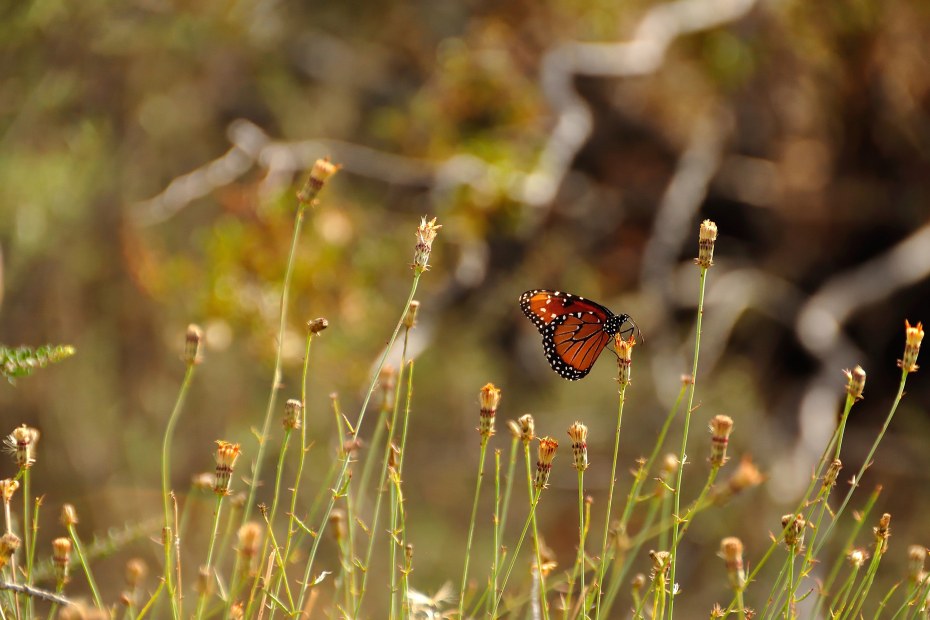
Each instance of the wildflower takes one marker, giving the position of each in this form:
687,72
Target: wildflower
706,238
9,543
490,398
526,428
68,515
720,428
8,487
315,326
660,563
204,481
882,533
638,583
321,172
22,444
387,382
337,524
426,234
410,318
292,411
578,433
912,338
136,571
857,557
731,550
833,471
624,358
226,456
250,539
547,448
916,557
746,476
204,584
61,558
669,468
192,341
794,530
855,382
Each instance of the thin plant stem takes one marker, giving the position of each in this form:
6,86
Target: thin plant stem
866,463
792,552
400,513
516,552
79,552
540,573
578,570
29,535
276,375
269,522
495,563
697,504
171,541
508,484
616,577
602,567
343,470
471,524
682,457
845,589
202,602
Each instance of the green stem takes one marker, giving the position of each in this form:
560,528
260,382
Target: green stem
400,469
340,479
540,573
172,541
471,525
602,567
79,551
578,571
495,566
276,376
516,552
682,458
508,485
202,602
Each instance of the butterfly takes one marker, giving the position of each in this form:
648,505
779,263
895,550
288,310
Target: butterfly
575,330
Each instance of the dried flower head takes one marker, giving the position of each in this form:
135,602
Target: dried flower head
8,487
315,326
746,476
578,433
666,474
638,582
204,481
882,533
9,543
192,345
793,526
660,563
237,611
857,557
426,234
706,238
912,339
731,550
387,382
337,525
292,410
410,318
250,540
321,172
545,454
21,443
68,515
61,558
136,571
490,397
916,558
720,428
204,585
855,382
526,427
624,348
226,456
833,471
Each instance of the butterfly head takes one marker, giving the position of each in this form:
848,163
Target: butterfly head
615,325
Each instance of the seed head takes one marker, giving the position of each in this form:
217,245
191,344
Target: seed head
426,234
706,238
746,476
8,487
410,319
882,533
666,474
22,444
545,454
578,433
61,558
9,543
624,358
833,471
857,557
337,525
192,344
731,550
525,428
660,563
638,582
136,571
916,557
855,382
315,326
490,397
68,515
204,585
250,540
204,481
226,456
794,530
912,338
322,170
720,428
292,411
387,381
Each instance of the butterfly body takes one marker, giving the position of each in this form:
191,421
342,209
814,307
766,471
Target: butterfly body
575,330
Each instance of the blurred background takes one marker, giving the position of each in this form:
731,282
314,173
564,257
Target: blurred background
149,151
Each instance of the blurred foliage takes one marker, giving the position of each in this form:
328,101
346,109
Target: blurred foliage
22,361
825,117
